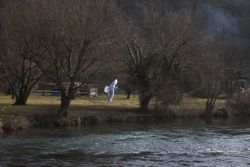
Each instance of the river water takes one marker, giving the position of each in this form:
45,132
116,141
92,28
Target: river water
175,143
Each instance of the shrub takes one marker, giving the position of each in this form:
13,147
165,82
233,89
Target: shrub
16,123
169,94
240,103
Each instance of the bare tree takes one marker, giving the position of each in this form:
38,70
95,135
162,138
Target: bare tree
158,47
211,73
17,70
71,35
143,70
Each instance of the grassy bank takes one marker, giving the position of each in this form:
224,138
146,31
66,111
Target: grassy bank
95,110
81,106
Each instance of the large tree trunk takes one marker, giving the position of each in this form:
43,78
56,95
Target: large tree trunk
144,99
210,103
65,102
209,108
21,96
21,100
66,97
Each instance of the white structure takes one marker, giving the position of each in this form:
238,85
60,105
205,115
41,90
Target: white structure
93,92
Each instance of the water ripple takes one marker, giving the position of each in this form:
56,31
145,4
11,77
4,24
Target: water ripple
206,145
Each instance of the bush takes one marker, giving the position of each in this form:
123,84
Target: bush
16,123
240,103
51,119
169,94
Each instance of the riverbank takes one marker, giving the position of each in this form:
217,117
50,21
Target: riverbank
41,112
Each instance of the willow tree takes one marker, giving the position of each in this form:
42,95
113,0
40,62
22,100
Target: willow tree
158,45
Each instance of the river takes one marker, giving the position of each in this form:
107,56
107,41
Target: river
174,143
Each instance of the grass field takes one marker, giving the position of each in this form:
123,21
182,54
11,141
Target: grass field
81,105
86,105
40,111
